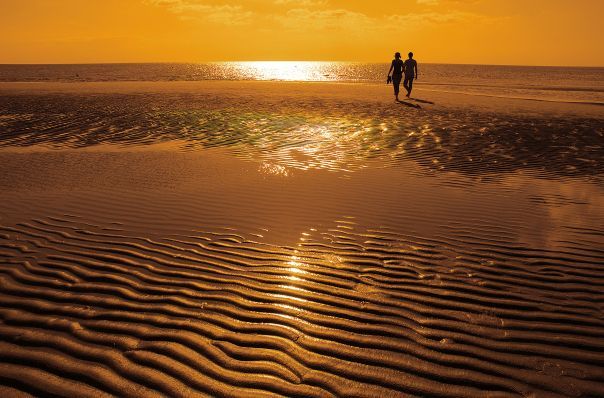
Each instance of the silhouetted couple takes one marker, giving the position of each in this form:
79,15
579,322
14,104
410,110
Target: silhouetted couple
398,67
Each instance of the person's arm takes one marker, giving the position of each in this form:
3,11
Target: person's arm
391,67
416,72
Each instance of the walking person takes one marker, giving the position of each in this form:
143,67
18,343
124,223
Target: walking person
410,66
397,73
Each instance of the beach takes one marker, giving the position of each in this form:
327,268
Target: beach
301,239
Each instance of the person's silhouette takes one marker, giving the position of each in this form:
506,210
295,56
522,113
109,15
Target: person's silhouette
410,66
397,73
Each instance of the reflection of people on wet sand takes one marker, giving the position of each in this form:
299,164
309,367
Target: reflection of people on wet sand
397,73
410,66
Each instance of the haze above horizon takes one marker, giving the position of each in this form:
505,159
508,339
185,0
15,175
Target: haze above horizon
500,32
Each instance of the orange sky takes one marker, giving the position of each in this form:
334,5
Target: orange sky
526,32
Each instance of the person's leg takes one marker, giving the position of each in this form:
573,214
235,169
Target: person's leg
396,82
410,87
406,84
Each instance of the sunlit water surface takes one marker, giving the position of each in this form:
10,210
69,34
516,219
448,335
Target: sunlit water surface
544,83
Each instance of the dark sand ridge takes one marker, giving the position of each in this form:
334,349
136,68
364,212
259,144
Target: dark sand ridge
336,258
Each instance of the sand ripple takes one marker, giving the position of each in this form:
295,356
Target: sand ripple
368,249
344,313
308,132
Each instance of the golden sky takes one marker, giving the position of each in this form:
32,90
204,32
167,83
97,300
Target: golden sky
524,32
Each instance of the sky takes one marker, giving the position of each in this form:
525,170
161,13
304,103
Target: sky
504,32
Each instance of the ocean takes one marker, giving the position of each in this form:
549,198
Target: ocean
559,84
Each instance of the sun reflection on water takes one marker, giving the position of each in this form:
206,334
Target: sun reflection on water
273,169
286,140
286,70
294,264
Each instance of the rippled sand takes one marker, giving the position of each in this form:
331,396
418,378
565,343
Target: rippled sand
288,239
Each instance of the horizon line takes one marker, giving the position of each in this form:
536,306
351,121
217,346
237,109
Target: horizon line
250,61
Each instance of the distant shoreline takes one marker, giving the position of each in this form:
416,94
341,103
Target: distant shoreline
557,84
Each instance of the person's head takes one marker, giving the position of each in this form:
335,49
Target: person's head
410,55
397,55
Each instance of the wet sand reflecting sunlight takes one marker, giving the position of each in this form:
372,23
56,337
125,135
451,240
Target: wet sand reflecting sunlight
290,239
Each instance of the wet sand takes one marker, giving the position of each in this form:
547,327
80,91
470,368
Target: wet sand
298,239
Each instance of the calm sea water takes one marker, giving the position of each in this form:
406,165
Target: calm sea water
563,84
